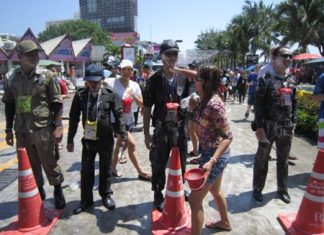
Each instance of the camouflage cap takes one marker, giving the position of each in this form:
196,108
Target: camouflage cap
27,46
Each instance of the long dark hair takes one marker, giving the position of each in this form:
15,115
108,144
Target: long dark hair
210,75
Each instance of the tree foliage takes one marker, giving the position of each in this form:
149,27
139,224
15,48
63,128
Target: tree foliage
302,22
78,29
259,26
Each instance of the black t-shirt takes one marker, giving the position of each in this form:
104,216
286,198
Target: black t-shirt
158,92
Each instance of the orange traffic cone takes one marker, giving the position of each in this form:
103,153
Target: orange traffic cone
310,216
175,218
32,216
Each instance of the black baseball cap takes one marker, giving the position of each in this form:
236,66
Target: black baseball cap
93,73
169,46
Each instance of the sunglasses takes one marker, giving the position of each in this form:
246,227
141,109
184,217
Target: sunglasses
286,56
31,53
173,53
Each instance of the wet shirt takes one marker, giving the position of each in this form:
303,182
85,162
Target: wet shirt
158,92
32,96
213,126
269,103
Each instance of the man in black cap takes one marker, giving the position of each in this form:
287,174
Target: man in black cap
33,103
164,87
96,104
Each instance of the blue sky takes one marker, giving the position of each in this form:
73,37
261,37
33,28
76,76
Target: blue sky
157,19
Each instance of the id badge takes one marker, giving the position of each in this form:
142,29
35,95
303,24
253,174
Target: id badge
90,130
24,104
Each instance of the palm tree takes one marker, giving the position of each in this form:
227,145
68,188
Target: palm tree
261,19
301,21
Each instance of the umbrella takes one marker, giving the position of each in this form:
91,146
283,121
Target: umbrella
48,62
306,56
319,60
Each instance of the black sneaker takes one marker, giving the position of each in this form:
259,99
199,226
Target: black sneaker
83,207
109,203
284,196
257,195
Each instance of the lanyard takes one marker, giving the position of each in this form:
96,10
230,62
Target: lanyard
97,104
171,88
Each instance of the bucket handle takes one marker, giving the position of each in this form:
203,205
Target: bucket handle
200,187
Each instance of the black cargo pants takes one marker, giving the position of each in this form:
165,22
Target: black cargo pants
282,137
89,152
162,143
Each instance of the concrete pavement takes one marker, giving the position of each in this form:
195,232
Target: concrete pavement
134,197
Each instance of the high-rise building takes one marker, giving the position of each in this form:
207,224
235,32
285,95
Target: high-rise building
111,15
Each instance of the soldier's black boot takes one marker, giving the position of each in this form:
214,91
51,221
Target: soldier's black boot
59,197
158,200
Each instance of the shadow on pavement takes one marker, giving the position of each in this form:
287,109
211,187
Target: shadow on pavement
245,159
108,220
8,209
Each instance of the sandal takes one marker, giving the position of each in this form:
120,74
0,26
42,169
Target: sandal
122,160
194,161
145,176
217,225
192,154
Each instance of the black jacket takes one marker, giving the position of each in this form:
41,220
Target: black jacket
108,104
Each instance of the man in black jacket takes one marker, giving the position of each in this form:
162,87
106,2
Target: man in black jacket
275,115
95,103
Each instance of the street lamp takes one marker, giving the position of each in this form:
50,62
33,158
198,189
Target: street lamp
253,42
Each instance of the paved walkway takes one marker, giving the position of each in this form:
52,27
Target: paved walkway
134,197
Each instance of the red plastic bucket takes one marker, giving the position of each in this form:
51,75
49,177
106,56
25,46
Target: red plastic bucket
127,105
195,178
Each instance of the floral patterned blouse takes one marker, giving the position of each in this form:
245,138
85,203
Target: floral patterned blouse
213,126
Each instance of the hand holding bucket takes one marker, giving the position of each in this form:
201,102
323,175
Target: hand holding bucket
127,105
196,178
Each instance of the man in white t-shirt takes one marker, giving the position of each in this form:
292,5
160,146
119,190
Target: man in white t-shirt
129,92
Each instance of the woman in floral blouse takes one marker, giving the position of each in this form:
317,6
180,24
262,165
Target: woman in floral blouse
215,137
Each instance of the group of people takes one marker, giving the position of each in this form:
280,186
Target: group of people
33,103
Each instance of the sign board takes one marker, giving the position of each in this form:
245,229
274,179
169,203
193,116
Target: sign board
128,53
148,56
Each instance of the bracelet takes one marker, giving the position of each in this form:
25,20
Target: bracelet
214,160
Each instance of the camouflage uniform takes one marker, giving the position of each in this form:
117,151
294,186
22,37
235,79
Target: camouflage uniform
277,118
32,96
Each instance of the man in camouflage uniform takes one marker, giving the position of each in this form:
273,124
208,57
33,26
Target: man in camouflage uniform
274,118
33,103
164,87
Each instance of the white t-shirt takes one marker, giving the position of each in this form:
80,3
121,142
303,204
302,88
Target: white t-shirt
117,87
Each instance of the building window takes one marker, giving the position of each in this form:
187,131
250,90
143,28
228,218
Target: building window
92,6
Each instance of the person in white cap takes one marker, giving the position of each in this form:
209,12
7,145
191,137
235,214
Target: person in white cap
126,89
